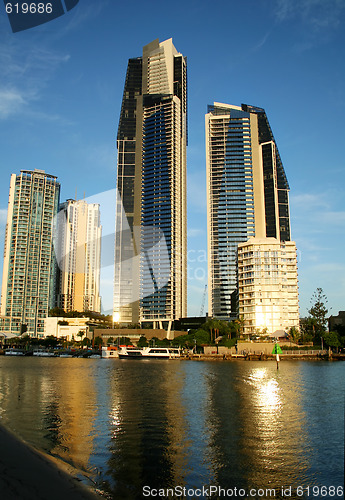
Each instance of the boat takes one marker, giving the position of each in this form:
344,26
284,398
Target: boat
110,351
150,353
14,352
43,353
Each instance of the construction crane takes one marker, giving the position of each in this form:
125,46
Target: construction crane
203,301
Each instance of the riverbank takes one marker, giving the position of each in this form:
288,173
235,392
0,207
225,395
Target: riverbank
265,357
28,474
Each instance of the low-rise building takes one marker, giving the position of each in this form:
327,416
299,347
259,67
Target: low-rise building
67,328
334,322
134,334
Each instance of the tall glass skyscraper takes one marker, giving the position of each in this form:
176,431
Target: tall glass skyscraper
247,195
29,272
150,241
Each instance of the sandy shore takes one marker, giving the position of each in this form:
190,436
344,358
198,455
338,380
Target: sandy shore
27,474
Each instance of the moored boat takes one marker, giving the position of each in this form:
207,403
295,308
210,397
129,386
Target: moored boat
150,353
14,352
43,353
110,351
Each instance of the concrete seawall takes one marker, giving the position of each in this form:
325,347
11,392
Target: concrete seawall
264,357
27,474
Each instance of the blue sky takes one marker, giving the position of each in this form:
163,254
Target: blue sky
61,87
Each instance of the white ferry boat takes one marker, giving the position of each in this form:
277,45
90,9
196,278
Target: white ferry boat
150,353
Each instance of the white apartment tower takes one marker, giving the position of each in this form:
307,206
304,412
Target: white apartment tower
78,248
268,286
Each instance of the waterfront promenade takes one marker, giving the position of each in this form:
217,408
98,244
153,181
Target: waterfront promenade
27,474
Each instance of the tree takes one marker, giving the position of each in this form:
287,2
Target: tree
98,342
307,329
86,341
142,342
50,341
216,328
294,334
332,339
239,326
81,334
318,313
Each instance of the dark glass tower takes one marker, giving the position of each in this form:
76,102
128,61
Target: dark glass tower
126,292
247,195
150,247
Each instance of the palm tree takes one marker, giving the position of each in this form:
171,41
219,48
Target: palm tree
80,334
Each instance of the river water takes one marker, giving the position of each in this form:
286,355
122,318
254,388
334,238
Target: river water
140,426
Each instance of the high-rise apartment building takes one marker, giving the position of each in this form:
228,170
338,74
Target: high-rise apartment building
78,249
150,241
247,195
28,283
268,286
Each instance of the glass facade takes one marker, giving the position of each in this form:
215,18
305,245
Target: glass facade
124,277
247,195
275,180
150,242
231,196
29,275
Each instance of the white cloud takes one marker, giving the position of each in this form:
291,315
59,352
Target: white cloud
25,72
330,267
319,209
11,101
3,216
260,43
318,13
333,218
193,232
309,201
102,155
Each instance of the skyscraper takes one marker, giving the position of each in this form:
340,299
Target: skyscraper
150,241
28,283
247,195
78,249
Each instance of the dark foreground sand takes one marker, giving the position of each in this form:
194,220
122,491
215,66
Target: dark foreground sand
26,474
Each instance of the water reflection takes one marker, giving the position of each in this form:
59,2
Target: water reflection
170,423
274,430
52,404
